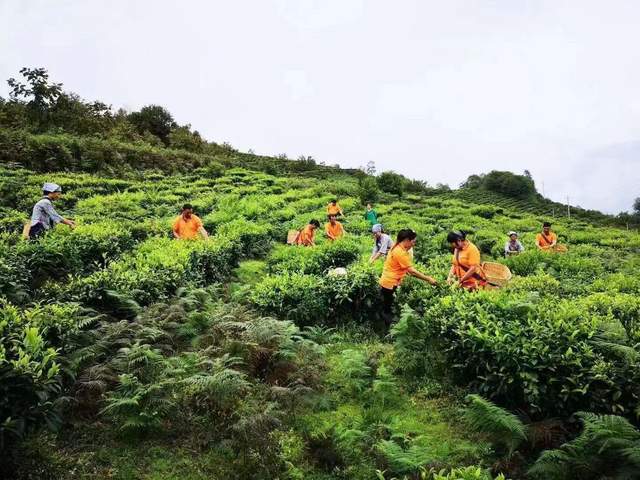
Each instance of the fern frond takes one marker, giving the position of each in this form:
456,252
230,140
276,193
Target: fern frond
499,425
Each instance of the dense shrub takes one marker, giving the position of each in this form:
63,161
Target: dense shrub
64,152
157,268
32,345
507,183
314,260
485,211
391,182
308,299
550,357
79,251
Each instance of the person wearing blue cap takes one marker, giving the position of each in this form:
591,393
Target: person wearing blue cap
383,242
44,216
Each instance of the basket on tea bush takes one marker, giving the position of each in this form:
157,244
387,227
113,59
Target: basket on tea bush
497,273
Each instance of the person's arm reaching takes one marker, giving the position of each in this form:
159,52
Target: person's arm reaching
415,273
379,252
469,274
203,232
55,217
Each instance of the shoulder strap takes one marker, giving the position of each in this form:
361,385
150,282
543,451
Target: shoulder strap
545,238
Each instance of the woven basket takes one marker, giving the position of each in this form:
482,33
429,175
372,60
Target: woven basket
560,248
497,274
291,236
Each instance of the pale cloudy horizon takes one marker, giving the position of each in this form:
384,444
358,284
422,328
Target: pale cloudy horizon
433,90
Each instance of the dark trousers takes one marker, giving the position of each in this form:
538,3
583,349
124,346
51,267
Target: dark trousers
388,297
36,231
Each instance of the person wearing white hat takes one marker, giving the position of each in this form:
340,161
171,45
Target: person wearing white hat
513,245
383,242
44,216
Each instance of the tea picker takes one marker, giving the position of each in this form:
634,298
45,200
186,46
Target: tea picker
382,243
547,240
306,236
513,245
44,216
465,264
188,225
397,265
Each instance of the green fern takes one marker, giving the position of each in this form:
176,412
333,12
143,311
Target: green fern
501,427
607,444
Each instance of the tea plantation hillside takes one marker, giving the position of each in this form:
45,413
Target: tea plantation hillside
126,354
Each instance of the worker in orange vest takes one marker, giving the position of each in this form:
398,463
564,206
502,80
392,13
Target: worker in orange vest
333,208
187,225
396,266
333,228
546,239
466,265
306,236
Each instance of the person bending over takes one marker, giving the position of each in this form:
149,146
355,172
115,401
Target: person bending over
397,265
306,236
382,243
466,267
333,228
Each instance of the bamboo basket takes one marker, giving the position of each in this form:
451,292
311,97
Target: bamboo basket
291,236
497,274
560,248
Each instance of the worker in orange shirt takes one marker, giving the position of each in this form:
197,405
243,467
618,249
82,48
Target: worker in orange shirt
187,225
306,236
333,228
333,208
466,265
396,266
546,240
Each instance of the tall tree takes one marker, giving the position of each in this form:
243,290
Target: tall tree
154,119
39,94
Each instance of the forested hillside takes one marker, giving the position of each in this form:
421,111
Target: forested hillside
125,353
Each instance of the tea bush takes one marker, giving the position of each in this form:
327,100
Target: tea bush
315,260
80,251
551,357
32,365
308,299
157,268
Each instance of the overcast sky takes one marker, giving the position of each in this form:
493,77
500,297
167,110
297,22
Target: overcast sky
434,90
